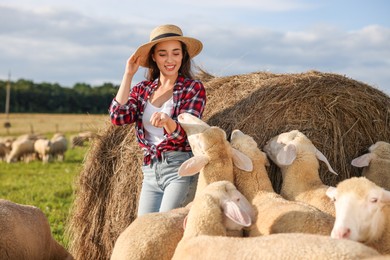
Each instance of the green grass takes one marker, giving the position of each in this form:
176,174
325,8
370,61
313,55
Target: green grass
47,186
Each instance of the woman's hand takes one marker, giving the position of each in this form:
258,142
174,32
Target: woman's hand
132,65
161,119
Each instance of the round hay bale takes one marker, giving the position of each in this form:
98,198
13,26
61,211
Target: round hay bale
341,116
106,195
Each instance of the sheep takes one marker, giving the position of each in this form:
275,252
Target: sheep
4,151
25,234
80,138
274,213
376,164
42,148
213,155
21,148
59,146
217,165
146,237
151,236
362,213
297,158
204,235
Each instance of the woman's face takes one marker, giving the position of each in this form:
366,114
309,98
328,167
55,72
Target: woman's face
168,56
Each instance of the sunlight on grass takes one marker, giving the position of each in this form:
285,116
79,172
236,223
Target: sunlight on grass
47,186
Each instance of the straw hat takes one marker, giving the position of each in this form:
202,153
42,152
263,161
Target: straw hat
166,33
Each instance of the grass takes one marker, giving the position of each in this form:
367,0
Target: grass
49,187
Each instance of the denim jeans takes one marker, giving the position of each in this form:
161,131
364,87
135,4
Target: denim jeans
162,187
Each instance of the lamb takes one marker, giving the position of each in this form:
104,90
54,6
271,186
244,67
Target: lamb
21,148
25,234
297,158
42,148
213,155
204,236
376,164
59,146
274,213
80,138
362,213
216,152
4,151
151,236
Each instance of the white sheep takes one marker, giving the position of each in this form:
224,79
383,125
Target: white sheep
204,235
376,164
297,158
151,236
4,151
59,146
274,213
42,148
362,213
141,234
213,155
25,234
22,148
146,237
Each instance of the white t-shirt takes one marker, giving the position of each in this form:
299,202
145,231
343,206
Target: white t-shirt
155,135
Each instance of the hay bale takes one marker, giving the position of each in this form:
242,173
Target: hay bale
340,115
106,195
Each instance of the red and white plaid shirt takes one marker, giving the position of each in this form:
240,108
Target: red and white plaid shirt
188,96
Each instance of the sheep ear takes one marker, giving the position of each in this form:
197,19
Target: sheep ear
320,156
185,222
193,165
385,196
241,161
331,192
287,155
236,213
362,161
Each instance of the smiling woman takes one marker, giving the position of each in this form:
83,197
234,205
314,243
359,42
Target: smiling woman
153,105
51,123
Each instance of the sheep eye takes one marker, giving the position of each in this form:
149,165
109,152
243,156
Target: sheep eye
374,200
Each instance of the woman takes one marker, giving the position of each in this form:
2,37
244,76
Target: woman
154,105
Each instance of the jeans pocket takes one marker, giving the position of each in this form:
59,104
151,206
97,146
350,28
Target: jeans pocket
176,157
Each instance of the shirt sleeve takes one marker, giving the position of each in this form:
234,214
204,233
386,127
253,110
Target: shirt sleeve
126,113
193,102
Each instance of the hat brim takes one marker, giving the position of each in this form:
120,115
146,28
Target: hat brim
194,47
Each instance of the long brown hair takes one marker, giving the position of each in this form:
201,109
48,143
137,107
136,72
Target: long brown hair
185,69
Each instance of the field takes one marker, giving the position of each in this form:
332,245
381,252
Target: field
50,123
47,186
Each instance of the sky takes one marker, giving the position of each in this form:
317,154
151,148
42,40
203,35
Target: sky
89,41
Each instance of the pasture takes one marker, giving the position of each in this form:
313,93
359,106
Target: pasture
47,186
50,123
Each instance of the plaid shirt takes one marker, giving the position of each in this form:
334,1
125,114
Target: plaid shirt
188,96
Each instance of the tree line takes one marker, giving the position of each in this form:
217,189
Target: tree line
29,97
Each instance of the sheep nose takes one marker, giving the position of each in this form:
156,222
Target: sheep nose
343,233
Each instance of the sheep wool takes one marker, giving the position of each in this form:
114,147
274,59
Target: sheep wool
297,158
25,234
204,236
376,164
362,213
274,213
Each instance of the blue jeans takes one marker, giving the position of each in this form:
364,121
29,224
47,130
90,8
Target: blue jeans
162,187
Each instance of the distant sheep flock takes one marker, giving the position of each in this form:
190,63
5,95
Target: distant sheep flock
31,147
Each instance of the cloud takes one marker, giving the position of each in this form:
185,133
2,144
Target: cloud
67,46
